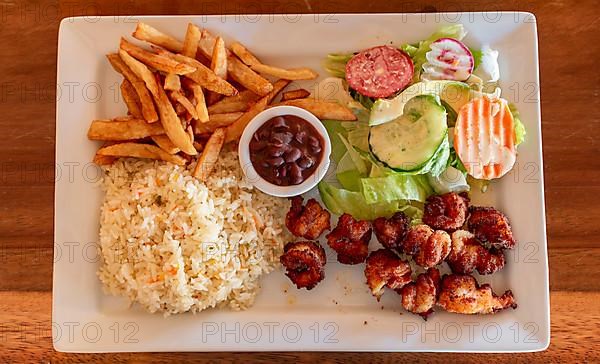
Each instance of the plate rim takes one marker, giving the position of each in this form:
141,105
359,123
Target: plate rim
544,342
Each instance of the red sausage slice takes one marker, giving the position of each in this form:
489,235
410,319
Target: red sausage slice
379,71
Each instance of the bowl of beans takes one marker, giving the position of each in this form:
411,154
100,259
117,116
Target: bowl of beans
284,151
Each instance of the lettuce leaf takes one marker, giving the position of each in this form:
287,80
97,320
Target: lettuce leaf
347,173
477,57
366,101
339,201
395,187
410,49
359,162
335,64
358,136
334,129
454,161
520,131
451,180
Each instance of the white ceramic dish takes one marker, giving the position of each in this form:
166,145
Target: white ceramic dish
261,183
339,314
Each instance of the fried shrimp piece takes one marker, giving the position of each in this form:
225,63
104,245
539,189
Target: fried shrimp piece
428,247
491,226
385,269
304,262
308,221
350,240
420,296
390,232
460,293
446,212
467,254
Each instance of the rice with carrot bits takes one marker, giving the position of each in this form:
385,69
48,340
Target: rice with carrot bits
174,244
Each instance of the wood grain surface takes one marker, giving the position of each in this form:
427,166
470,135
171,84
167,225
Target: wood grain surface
570,90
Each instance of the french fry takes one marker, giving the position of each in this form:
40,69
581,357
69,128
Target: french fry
207,43
210,155
190,131
216,121
227,107
172,82
322,109
243,96
123,118
244,54
302,73
203,75
186,118
235,130
165,144
199,146
156,61
198,94
103,160
142,71
218,65
180,98
219,59
179,109
168,117
172,125
152,35
236,69
278,86
148,109
123,130
190,43
295,94
131,98
246,77
138,150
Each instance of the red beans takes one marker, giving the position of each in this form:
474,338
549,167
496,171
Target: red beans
285,150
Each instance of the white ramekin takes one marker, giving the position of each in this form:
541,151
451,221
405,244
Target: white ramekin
267,187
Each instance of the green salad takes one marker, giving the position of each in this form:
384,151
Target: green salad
429,115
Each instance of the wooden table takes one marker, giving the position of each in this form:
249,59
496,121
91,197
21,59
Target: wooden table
569,54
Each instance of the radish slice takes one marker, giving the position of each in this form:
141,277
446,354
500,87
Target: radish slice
448,59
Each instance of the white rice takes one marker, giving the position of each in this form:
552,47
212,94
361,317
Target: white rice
174,244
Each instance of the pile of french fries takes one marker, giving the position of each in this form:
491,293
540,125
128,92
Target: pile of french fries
189,98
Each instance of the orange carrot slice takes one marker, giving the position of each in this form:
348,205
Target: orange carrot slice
484,138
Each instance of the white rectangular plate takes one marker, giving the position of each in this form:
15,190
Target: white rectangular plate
340,314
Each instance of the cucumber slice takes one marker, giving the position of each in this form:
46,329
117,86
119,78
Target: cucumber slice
453,93
408,142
